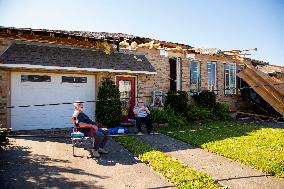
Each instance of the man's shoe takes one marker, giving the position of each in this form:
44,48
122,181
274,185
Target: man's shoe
139,133
103,151
95,153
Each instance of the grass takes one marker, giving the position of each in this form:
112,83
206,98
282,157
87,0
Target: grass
259,147
179,174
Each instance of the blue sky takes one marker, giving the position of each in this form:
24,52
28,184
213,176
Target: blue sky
224,24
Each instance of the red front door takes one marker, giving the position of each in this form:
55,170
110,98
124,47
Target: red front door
126,86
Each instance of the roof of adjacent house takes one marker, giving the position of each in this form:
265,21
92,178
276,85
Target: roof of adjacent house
68,57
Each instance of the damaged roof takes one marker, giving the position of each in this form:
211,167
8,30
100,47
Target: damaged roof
271,69
52,55
111,37
81,38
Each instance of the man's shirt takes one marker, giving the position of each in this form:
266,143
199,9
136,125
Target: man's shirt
83,118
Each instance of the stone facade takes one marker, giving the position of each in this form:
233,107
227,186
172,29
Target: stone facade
4,89
4,98
147,84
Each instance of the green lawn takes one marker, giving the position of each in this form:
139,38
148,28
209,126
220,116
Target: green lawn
257,146
179,174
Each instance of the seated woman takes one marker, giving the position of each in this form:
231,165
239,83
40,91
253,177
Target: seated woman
142,115
100,135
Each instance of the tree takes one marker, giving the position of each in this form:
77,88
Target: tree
108,109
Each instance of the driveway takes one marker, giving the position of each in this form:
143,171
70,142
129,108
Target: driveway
39,162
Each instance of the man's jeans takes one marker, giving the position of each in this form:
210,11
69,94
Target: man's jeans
101,138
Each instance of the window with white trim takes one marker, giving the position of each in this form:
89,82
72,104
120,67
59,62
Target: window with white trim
211,73
194,77
230,78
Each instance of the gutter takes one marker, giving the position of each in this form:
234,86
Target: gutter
28,66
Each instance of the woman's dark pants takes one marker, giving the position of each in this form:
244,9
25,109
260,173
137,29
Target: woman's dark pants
147,121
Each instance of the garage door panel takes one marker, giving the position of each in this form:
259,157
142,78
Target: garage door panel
49,116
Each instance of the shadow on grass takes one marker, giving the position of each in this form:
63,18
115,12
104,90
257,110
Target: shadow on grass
21,169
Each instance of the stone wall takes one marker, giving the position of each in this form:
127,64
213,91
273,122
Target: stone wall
4,89
4,98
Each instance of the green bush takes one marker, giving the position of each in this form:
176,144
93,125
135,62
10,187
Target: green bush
177,113
198,113
108,107
168,116
221,111
158,116
176,101
178,121
205,99
207,108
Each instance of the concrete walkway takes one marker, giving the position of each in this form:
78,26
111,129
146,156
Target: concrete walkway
37,162
225,171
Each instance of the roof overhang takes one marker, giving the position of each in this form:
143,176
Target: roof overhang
93,70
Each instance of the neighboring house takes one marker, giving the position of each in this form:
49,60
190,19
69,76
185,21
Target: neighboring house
51,68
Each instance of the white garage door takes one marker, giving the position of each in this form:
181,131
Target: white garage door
45,89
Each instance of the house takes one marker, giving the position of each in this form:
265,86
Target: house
43,71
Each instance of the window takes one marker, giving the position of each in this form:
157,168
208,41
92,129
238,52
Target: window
178,81
35,78
240,83
230,78
194,77
173,74
211,72
71,79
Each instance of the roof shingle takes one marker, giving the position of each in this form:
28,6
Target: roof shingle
49,55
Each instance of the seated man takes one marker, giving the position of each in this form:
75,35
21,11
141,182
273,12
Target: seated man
100,135
142,115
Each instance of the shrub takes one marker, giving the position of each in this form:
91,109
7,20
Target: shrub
158,116
168,116
198,113
177,101
205,99
177,121
108,110
221,111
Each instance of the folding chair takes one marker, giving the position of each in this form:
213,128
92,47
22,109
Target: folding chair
88,133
